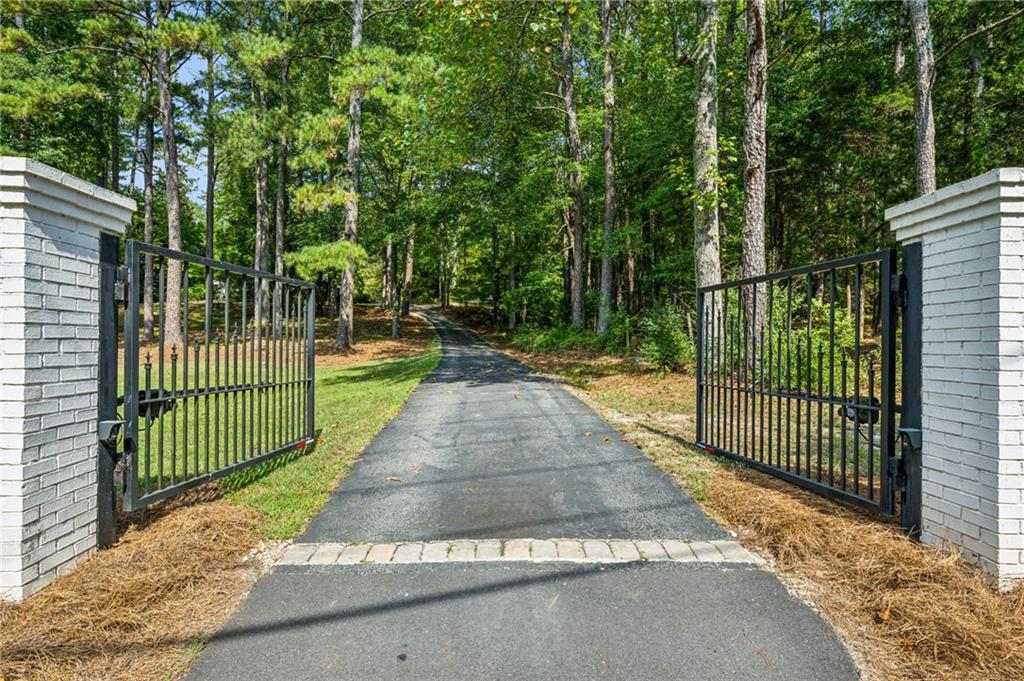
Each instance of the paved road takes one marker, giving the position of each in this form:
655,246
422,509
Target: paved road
485,449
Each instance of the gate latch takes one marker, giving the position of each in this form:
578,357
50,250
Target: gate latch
911,438
108,432
121,285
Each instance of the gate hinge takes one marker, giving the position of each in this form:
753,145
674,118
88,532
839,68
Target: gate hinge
898,286
121,285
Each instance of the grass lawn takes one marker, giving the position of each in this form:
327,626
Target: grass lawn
352,404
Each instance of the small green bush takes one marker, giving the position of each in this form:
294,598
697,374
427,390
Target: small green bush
665,343
536,339
621,337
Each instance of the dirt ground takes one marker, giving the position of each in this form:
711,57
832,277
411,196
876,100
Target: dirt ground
372,327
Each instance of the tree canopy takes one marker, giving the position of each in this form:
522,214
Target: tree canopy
488,131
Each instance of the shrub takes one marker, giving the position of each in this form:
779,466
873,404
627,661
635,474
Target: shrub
620,338
535,339
665,343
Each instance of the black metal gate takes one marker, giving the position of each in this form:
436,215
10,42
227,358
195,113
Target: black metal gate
799,375
218,370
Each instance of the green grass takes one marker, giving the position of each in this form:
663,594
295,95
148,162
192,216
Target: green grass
352,405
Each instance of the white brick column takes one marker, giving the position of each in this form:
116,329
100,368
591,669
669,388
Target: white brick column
50,224
972,397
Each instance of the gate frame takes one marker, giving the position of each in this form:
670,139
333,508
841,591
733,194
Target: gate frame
901,292
121,284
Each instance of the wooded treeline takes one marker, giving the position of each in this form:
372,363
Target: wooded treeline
563,163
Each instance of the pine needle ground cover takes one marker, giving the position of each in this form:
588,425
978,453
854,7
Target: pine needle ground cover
904,610
142,609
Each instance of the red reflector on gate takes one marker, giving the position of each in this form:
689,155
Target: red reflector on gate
300,444
709,449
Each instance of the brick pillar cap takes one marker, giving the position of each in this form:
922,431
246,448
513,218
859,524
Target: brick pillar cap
997,192
27,185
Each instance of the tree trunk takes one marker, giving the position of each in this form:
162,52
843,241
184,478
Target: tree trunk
604,308
705,150
147,214
394,294
410,246
386,282
279,215
210,160
574,175
280,205
172,313
755,149
899,59
924,122
512,283
496,281
344,338
261,255
133,169
115,144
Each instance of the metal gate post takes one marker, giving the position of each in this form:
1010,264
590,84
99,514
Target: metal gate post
131,375
310,363
889,312
910,416
700,368
106,411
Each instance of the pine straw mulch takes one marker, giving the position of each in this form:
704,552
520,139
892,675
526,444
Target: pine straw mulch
372,330
141,609
907,610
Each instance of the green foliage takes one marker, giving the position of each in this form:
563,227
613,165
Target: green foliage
325,260
463,131
550,339
665,344
538,297
621,336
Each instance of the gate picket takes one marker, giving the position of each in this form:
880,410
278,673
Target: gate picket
768,338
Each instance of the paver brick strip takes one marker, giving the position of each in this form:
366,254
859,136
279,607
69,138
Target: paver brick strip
651,550
570,549
298,554
733,552
706,551
488,550
435,552
354,553
678,550
598,551
543,549
326,554
406,553
381,553
520,550
624,550
462,551
517,549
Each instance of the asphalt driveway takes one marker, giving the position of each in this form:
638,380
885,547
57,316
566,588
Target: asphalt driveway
484,449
